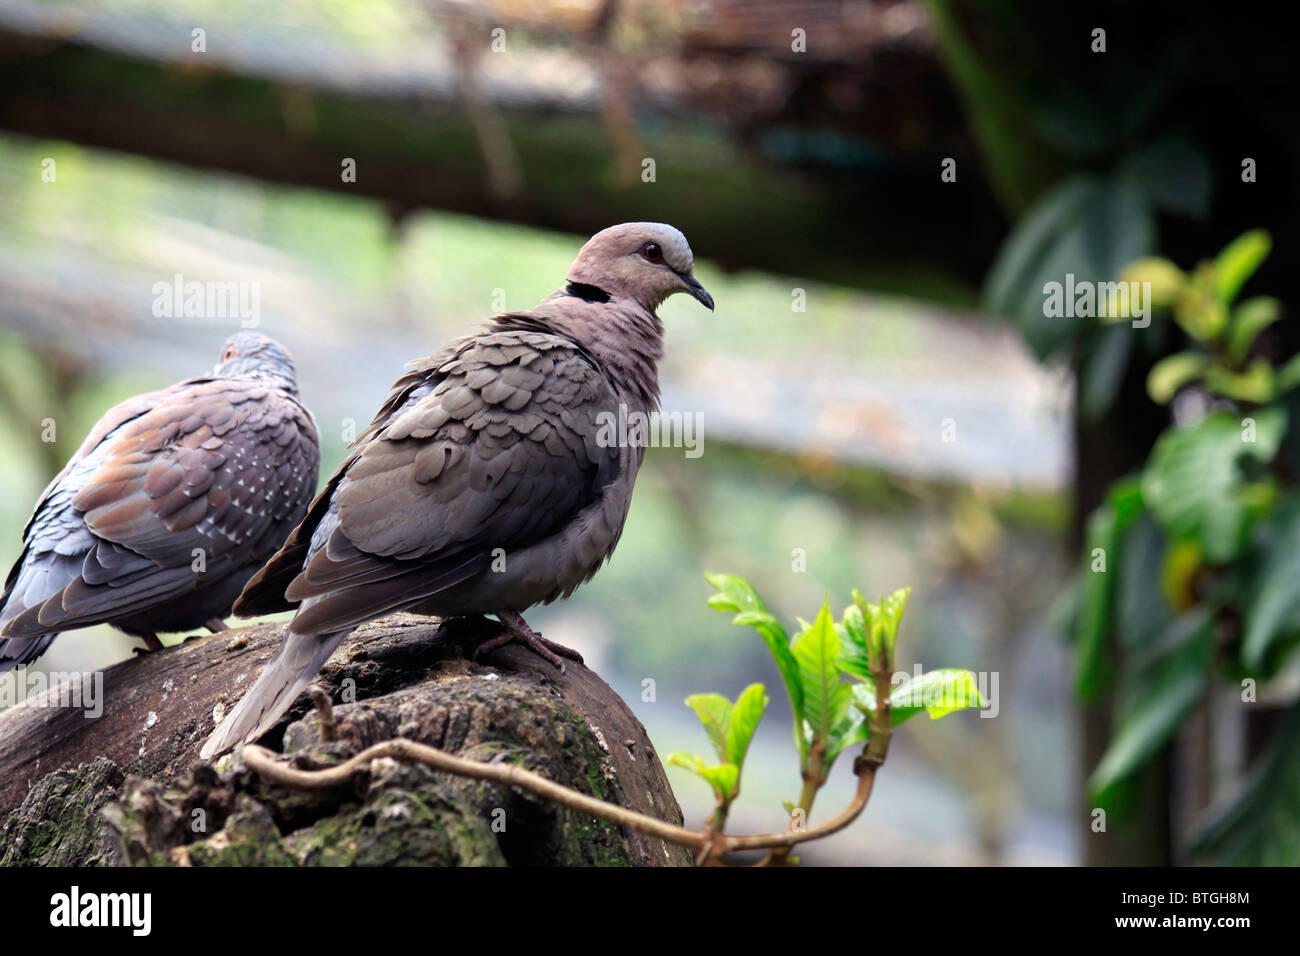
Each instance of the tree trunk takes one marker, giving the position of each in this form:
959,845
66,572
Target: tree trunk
1106,451
128,787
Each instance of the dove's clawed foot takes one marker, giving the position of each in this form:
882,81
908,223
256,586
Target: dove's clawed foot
214,625
151,644
517,631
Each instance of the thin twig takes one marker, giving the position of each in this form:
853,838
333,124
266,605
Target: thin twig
866,780
325,708
262,761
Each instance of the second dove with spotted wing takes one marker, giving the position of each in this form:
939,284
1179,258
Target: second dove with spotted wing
491,448
168,507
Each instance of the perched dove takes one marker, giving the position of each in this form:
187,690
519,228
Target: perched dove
483,485
168,507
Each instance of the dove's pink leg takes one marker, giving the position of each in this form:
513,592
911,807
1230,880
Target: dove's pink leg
518,631
151,643
216,625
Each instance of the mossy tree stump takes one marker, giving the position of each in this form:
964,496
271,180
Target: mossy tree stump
129,787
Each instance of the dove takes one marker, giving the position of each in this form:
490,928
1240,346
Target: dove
487,481
168,507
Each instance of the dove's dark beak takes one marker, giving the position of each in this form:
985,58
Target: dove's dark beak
695,289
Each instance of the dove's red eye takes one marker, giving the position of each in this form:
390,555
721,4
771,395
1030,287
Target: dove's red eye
652,252
229,353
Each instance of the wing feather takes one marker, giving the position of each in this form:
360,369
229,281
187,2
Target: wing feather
216,467
488,444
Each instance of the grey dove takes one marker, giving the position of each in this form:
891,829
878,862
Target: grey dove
483,485
168,507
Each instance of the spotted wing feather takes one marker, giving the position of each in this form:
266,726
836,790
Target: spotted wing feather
189,485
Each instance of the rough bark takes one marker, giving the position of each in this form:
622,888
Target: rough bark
129,788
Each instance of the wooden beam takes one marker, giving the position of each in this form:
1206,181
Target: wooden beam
894,228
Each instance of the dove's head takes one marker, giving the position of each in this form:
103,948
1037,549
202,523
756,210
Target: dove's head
253,355
643,261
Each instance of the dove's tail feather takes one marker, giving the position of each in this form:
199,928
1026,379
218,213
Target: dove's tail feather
299,659
17,651
31,583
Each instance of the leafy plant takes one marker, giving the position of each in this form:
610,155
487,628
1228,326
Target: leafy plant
1089,226
1214,519
1203,303
730,728
843,692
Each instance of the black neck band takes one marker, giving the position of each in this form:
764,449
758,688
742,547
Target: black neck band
587,293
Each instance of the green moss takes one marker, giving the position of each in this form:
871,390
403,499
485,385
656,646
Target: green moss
249,838
399,827
58,823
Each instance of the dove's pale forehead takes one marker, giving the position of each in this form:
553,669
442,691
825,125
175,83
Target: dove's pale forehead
628,237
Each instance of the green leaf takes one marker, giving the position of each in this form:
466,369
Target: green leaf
854,659
825,696
1248,320
723,778
1273,606
735,594
1288,376
749,710
1173,372
855,626
855,664
1260,825
1088,226
1107,528
1195,485
1201,318
1155,699
1167,280
937,693
680,758
758,619
1238,262
880,623
1014,269
891,615
872,629
714,712
730,727
1254,385
1140,611
853,727
1199,310
1174,174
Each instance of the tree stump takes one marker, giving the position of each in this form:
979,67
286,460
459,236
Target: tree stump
128,787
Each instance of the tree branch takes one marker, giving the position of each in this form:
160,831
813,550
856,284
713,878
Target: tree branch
263,762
